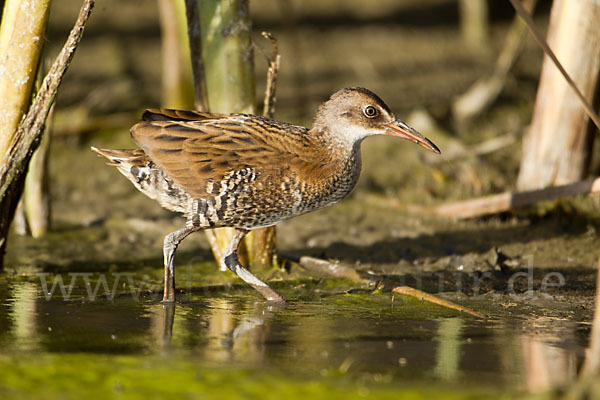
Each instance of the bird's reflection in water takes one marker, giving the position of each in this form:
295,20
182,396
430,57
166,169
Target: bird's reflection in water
230,330
166,320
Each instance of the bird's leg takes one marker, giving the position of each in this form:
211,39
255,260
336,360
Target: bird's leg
172,240
230,259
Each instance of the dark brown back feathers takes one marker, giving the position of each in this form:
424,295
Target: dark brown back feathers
195,148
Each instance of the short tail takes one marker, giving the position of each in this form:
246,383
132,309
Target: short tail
136,166
118,157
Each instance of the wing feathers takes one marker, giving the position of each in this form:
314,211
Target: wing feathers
195,148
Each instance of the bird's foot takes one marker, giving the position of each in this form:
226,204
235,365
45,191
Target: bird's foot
270,295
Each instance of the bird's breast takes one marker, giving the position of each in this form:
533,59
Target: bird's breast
327,185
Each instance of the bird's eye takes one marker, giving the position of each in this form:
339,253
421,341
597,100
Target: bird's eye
370,111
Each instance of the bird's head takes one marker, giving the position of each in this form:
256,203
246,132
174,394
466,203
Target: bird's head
352,114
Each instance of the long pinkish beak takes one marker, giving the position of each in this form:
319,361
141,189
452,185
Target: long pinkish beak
402,130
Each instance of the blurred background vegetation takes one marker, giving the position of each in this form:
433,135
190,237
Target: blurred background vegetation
412,53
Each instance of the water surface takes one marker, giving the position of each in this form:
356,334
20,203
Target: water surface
232,344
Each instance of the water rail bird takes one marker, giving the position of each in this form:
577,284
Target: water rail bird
247,172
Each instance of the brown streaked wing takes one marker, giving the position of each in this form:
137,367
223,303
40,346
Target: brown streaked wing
194,152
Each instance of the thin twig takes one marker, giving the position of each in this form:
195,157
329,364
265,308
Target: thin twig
542,42
508,200
264,240
29,132
334,269
273,70
419,294
193,24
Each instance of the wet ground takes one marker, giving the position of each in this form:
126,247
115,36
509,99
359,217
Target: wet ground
325,342
80,315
